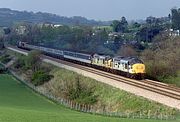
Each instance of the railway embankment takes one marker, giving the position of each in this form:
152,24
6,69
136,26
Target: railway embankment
70,85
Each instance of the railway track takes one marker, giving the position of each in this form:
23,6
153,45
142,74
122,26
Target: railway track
153,86
160,88
159,84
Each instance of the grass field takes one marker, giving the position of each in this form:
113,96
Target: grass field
19,104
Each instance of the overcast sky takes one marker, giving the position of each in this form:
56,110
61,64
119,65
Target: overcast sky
96,9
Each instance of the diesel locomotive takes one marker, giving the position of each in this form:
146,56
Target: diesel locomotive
131,67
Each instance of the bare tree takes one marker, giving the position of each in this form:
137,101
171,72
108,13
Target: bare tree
127,50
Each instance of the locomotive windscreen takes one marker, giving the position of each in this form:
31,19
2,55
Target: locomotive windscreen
135,61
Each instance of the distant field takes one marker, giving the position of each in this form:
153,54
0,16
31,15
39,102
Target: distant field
19,104
108,28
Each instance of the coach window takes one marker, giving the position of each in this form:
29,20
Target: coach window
103,61
126,66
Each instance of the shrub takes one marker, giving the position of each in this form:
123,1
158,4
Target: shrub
20,63
5,59
33,61
46,67
81,93
162,59
127,51
40,77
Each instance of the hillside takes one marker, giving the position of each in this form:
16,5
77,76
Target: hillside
8,17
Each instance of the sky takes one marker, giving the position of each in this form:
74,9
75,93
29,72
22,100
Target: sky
96,9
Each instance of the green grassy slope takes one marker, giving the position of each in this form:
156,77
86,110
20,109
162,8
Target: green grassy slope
19,104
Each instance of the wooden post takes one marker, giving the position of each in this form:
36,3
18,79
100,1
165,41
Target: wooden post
76,106
149,114
79,107
83,107
127,115
133,115
161,116
166,116
88,108
140,115
91,109
71,104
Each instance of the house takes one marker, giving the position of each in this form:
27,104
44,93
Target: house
174,33
21,30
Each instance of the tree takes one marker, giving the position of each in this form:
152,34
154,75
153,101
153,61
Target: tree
7,30
40,77
127,50
116,24
120,26
1,43
33,61
124,25
81,93
136,25
147,33
161,60
175,18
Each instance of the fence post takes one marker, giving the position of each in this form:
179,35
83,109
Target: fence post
70,104
149,114
128,115
161,116
62,101
166,116
91,109
76,107
79,107
83,107
140,115
133,115
66,102
88,108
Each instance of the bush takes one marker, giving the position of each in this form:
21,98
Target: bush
33,60
158,69
162,59
81,93
127,51
40,77
5,59
20,63
46,67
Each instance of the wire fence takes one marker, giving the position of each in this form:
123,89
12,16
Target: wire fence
92,109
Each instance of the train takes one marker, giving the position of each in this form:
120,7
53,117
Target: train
131,67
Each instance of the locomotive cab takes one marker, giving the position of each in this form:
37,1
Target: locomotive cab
136,68
20,44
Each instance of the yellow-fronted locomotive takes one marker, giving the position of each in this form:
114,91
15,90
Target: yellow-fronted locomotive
131,67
